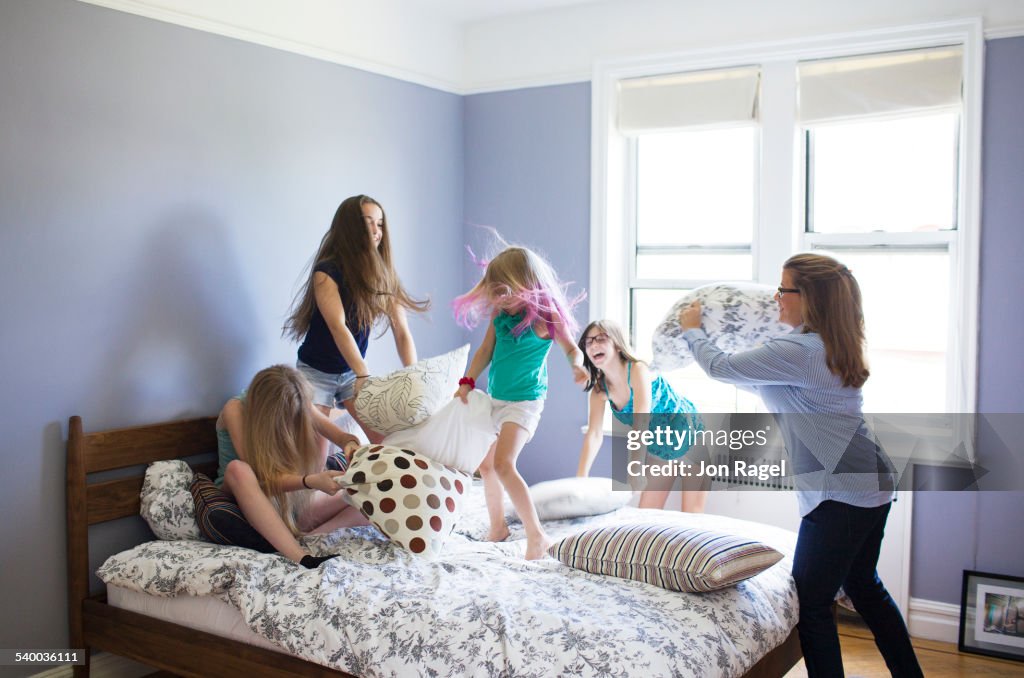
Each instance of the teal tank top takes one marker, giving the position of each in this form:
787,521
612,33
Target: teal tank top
225,448
677,412
519,368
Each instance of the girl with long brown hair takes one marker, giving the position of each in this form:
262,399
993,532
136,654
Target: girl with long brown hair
623,381
352,285
271,462
811,380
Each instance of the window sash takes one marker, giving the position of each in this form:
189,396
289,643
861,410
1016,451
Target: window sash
781,200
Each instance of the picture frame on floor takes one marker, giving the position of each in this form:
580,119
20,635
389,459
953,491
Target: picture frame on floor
992,615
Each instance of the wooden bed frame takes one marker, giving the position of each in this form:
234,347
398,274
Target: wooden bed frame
95,624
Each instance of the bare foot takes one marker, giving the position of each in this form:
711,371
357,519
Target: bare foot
537,549
498,534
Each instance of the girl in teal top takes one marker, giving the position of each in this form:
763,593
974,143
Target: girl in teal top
528,310
628,386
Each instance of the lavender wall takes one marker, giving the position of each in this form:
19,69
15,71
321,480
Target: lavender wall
982,531
161,190
528,175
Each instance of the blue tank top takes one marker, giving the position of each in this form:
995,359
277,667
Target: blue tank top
318,349
664,401
226,452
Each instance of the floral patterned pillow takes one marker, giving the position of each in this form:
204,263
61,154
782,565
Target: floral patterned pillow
166,503
414,501
670,556
736,317
408,396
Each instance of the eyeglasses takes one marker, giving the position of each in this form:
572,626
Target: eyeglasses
787,290
596,339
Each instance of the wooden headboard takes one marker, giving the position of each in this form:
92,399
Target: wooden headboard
98,502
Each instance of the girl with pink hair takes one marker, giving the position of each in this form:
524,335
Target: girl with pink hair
528,310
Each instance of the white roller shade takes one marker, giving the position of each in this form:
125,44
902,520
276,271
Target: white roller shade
878,84
667,102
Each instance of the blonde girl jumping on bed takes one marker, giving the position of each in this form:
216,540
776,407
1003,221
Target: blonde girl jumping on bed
352,286
271,462
616,377
528,310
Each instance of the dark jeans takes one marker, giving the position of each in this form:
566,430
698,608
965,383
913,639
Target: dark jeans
838,546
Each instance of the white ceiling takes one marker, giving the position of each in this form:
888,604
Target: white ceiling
470,46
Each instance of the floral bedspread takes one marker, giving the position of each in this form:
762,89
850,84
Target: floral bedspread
479,609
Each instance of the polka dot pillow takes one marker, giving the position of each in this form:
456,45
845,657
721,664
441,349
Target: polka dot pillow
414,501
736,317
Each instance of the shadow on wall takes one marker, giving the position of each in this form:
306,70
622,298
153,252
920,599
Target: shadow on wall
184,338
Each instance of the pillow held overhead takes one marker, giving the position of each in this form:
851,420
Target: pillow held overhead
736,317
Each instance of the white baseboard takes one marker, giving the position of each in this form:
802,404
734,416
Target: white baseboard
932,620
103,665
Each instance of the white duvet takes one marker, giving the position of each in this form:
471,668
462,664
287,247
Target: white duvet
479,609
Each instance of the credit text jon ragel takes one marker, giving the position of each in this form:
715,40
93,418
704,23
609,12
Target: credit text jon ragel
667,436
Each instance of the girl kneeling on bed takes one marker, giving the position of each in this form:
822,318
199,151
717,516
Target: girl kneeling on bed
617,377
271,462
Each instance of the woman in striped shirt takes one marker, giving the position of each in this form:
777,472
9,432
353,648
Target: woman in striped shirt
811,380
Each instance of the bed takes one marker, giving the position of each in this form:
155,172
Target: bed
197,609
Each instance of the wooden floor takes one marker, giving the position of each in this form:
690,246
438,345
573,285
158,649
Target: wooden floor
938,660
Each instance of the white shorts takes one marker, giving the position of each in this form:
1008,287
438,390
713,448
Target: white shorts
523,413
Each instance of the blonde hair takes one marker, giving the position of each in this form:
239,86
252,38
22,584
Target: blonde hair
517,275
368,271
618,339
831,306
280,437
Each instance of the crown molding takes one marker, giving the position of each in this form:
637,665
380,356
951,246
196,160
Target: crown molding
1008,31
278,41
450,71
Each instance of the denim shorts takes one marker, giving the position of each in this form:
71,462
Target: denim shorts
329,390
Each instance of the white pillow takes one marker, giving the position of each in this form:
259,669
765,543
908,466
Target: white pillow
736,317
167,505
458,435
407,396
575,497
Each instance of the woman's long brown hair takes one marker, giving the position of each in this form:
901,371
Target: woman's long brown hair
832,308
280,437
369,272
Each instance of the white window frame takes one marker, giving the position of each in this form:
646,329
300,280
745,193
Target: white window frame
781,196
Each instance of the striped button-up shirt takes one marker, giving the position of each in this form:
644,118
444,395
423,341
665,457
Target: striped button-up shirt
833,454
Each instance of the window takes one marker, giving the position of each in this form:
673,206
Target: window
719,166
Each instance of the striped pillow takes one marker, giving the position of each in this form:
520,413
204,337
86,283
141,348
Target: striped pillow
672,557
220,519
